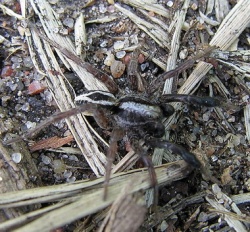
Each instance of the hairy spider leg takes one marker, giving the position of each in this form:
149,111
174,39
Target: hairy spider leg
152,175
53,119
186,155
191,99
116,135
142,151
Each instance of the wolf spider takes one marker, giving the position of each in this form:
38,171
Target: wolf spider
138,118
141,120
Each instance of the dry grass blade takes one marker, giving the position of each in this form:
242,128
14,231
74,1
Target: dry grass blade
87,196
247,121
175,44
154,31
148,5
241,198
225,204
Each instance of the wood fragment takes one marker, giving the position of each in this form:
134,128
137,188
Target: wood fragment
127,212
53,142
80,35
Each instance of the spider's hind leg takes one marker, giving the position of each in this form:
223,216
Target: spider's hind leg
143,153
116,135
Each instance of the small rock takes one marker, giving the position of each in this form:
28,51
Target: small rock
46,160
59,166
117,69
120,54
16,157
170,3
69,22
109,59
118,45
6,71
36,87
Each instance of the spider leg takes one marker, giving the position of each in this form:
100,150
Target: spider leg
116,135
143,153
54,118
186,155
152,175
191,99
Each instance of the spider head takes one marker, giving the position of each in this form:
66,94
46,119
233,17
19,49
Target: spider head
96,97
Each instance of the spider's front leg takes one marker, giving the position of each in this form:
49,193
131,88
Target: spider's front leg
55,118
191,100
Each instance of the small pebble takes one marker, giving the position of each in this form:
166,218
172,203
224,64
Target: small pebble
11,85
36,87
117,68
102,8
30,125
118,45
111,9
194,6
104,43
69,22
120,54
170,3
109,59
183,54
64,31
46,160
25,107
73,158
214,158
16,157
6,71
71,179
59,166
144,66
67,174
206,116
141,58
219,139
164,225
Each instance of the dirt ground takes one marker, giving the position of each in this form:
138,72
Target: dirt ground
103,37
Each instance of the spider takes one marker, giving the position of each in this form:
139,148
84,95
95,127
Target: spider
141,120
137,117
